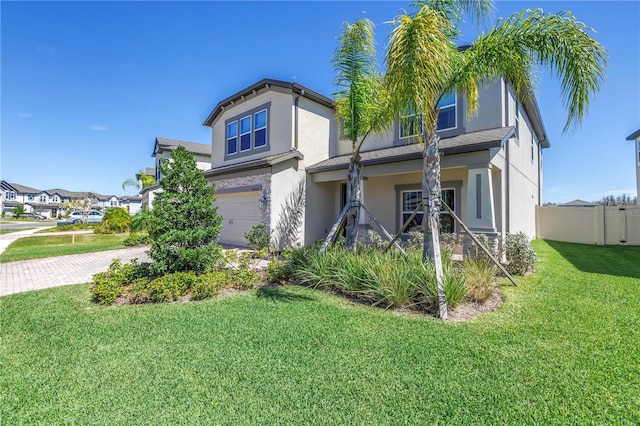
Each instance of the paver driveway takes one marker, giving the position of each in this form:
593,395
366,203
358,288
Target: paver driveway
36,274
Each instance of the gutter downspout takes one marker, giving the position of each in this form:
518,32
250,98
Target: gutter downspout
294,147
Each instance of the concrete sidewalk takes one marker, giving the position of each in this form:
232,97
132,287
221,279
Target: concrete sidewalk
37,274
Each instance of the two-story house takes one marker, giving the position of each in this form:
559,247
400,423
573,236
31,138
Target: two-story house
269,136
53,202
161,152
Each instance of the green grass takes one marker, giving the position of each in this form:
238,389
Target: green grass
10,231
563,349
58,245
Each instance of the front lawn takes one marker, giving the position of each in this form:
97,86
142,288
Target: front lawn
58,245
563,349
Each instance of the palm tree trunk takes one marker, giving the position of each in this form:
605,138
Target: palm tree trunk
431,220
353,199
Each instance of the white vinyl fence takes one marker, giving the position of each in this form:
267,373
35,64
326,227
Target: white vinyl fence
589,225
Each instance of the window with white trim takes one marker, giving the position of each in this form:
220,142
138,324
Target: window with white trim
409,202
410,125
30,197
114,203
54,199
10,195
247,132
43,198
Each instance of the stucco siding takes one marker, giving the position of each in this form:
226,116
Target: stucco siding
285,180
322,209
279,125
316,130
490,108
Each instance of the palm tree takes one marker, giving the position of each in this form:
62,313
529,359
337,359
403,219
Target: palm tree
144,181
424,63
359,106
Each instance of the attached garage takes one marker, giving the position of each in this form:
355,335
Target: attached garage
240,212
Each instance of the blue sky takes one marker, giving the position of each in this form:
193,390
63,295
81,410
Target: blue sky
87,86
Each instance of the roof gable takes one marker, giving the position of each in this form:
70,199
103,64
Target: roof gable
266,82
164,144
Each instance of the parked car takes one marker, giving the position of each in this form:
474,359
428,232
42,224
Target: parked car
93,217
33,216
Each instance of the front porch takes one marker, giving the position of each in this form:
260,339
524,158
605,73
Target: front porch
471,186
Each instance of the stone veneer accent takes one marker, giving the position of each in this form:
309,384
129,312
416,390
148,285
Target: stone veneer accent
264,180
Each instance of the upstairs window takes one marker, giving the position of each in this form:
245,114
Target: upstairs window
248,132
447,116
410,125
43,198
245,134
54,198
30,197
260,128
232,138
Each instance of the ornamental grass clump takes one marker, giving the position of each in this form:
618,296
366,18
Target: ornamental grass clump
382,279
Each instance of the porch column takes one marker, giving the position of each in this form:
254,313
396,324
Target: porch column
480,206
364,219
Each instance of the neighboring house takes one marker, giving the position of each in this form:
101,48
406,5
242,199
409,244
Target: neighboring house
52,202
635,136
161,151
577,203
133,204
269,136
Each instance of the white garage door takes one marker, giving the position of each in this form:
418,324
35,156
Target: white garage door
240,212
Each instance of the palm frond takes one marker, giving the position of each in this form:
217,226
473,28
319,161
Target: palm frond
419,63
358,78
558,41
480,11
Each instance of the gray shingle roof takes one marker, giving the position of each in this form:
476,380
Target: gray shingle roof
23,189
164,144
265,82
468,142
254,164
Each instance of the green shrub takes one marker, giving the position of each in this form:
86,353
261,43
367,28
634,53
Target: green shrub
116,220
141,220
244,279
208,285
166,288
277,271
259,237
450,240
376,242
521,257
137,240
106,287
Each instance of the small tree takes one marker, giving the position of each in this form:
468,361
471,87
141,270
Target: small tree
82,205
184,223
18,210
